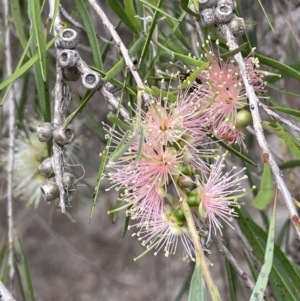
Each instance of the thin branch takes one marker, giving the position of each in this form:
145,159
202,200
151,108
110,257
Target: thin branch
5,295
121,46
79,25
58,118
112,100
222,248
253,103
11,157
279,117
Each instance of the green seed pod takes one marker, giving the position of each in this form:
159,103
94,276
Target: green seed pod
50,191
193,198
178,215
46,168
243,119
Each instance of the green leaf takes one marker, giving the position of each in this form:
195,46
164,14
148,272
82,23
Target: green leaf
197,290
90,30
262,281
119,66
185,6
17,67
287,110
150,32
283,278
280,107
233,150
17,18
266,192
85,100
158,9
289,164
19,278
123,145
283,90
285,69
185,59
25,268
118,122
121,13
277,129
56,8
192,77
40,38
263,9
20,71
130,11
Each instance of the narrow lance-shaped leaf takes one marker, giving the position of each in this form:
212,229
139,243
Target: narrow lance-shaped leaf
266,192
40,38
197,290
262,281
277,129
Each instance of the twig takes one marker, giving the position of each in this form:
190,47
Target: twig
11,158
58,118
79,25
232,260
112,100
253,102
279,117
121,45
5,295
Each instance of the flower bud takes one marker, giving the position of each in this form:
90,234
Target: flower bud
50,191
243,119
91,80
44,131
223,13
69,181
179,217
68,58
71,74
237,26
207,17
63,136
46,168
185,181
68,38
193,198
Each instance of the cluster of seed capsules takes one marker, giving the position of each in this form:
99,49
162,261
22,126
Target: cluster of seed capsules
217,12
61,137
73,67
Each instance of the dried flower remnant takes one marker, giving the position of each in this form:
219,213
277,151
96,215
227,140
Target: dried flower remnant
30,153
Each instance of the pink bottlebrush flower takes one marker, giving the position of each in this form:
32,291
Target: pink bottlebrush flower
222,80
218,194
144,182
171,122
231,135
255,75
164,230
